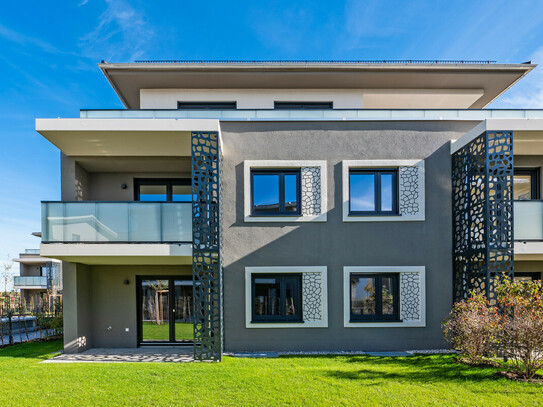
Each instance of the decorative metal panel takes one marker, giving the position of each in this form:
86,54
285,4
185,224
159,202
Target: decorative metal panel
410,297
312,291
311,190
482,192
206,257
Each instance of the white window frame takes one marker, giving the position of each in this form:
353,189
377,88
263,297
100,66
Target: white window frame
348,270
250,271
248,165
347,165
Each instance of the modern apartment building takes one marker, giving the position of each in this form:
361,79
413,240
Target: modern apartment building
39,279
291,206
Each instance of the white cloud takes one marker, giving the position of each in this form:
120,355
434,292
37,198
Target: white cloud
23,39
528,92
123,33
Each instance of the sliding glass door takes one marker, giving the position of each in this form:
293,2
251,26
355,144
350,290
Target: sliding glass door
165,310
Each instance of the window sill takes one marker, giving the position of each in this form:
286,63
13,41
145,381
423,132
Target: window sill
277,322
286,218
382,218
376,321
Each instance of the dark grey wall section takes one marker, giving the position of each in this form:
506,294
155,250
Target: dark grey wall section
336,244
113,304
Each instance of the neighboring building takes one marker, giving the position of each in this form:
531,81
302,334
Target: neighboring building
291,206
39,279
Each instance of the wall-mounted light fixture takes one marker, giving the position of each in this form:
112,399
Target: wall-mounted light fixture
124,186
126,282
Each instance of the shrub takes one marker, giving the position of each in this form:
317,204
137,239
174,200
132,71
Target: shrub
473,327
521,333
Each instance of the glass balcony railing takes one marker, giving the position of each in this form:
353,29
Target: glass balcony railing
317,114
29,281
116,222
528,220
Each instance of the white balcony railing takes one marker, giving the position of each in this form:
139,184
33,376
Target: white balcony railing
116,222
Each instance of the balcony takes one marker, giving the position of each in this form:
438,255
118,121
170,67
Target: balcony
30,282
116,222
328,114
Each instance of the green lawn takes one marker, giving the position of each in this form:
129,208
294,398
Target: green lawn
152,331
308,381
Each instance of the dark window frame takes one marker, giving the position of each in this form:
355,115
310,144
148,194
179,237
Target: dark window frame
168,182
535,275
281,172
377,172
278,105
534,175
283,318
378,317
195,105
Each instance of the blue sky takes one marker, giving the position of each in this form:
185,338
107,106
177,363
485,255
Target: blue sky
49,54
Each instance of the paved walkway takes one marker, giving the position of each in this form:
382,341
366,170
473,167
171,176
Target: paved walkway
172,354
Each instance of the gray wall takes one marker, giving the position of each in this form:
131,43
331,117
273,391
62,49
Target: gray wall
95,298
336,244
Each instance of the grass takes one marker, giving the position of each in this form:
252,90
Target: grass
152,331
307,380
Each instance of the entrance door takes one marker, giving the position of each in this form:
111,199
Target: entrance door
165,310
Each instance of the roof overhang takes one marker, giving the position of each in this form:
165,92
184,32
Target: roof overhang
123,137
128,78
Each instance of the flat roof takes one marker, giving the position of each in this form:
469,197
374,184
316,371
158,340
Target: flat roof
128,78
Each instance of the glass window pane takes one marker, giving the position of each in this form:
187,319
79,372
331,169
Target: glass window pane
522,188
153,193
363,295
387,295
266,193
291,195
362,188
291,296
155,310
387,186
267,296
181,193
183,310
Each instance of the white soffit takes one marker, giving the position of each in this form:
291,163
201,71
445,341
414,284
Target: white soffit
526,130
123,137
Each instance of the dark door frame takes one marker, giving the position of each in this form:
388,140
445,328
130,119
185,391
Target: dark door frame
171,314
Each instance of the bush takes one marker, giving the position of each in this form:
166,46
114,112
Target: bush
473,327
521,328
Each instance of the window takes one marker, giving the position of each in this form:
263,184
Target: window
303,105
526,184
374,297
275,192
163,190
277,298
206,105
527,277
373,192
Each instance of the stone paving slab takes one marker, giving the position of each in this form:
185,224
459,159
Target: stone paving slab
256,355
127,355
389,354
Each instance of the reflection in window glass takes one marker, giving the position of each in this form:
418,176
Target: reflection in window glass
362,188
291,193
181,193
363,296
386,192
153,193
266,193
522,188
374,297
387,296
267,297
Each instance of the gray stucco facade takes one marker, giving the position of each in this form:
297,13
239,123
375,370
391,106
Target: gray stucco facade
335,243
